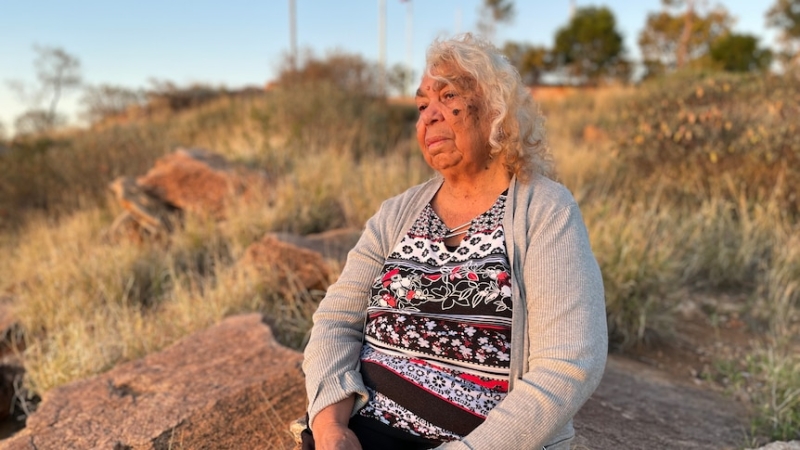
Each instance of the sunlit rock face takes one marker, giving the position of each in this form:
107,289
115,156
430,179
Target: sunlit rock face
230,386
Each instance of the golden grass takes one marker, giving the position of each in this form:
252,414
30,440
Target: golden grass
651,249
86,303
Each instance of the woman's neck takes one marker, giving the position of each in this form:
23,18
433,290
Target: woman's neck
461,199
466,187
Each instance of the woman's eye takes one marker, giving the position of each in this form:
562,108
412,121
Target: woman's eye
448,95
421,108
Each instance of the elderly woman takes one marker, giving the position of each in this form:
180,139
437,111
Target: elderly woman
470,315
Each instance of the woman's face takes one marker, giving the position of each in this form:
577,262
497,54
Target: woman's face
453,127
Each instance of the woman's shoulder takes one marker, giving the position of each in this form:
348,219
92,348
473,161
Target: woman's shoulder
539,191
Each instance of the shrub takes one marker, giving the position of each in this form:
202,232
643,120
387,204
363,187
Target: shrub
694,132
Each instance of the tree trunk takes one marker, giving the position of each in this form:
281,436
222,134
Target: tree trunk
683,45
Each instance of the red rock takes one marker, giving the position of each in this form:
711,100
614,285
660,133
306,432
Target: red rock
196,181
291,265
229,387
331,244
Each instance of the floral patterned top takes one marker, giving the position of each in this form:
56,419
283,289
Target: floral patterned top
438,332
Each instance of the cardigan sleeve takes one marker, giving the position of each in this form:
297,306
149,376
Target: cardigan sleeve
331,358
567,338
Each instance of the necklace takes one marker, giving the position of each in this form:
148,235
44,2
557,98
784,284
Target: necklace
461,229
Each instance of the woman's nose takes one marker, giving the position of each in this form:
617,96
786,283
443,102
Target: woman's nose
432,113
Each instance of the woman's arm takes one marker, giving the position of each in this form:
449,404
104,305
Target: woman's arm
330,427
331,358
567,338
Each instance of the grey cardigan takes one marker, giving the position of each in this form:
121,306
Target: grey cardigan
559,338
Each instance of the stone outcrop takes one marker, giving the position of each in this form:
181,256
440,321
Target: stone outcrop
230,386
332,244
793,445
197,181
188,180
287,264
638,406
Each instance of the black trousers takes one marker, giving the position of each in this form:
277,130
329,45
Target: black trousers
374,435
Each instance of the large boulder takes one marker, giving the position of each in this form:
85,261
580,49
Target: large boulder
188,180
290,266
229,387
198,181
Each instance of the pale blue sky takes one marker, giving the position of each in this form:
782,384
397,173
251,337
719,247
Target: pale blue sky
238,42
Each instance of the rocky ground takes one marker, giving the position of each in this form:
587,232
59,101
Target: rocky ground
656,400
234,387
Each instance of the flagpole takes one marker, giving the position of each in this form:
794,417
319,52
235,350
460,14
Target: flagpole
409,39
293,34
382,45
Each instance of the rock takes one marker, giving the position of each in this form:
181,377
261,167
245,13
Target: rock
332,244
11,370
230,386
637,406
11,374
197,181
291,265
793,445
193,180
142,210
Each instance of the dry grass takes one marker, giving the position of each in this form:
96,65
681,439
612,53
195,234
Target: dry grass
653,247
86,304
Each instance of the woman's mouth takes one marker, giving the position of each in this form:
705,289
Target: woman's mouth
434,141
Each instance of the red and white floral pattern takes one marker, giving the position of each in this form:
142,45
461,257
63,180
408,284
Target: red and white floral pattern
454,341
388,412
451,385
439,323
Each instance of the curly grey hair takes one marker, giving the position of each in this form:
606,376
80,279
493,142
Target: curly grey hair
517,128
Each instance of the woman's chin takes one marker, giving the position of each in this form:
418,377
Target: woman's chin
444,163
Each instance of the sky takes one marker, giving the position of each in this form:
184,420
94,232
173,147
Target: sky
238,43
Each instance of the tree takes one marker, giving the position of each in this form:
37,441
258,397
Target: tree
57,72
590,47
493,12
671,41
740,53
686,31
531,61
785,15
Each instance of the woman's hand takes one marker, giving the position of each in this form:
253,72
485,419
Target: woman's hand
335,437
330,427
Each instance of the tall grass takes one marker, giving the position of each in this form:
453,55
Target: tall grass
86,303
658,233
